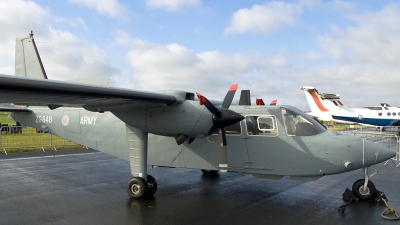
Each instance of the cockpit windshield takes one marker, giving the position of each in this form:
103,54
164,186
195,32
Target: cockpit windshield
298,123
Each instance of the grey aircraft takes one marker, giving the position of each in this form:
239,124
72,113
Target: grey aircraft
183,129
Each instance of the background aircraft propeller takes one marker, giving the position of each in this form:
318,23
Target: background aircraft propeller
222,117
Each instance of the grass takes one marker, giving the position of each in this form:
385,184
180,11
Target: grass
29,140
5,120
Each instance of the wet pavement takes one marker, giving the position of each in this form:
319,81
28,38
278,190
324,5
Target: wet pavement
88,187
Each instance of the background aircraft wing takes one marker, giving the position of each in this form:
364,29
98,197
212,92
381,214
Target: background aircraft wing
54,94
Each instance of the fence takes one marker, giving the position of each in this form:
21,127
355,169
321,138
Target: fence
22,138
389,139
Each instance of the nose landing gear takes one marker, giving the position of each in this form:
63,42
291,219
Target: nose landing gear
364,189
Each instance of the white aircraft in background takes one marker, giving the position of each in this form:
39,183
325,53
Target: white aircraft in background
329,107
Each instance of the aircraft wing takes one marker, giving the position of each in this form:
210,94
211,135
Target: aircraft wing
54,94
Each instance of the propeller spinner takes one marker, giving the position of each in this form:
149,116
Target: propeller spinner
222,117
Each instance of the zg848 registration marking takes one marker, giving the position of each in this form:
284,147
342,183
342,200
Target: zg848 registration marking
44,119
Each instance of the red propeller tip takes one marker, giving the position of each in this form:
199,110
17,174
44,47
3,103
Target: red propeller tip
233,87
202,100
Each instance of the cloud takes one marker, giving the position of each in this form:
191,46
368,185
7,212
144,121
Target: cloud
109,8
173,66
16,19
172,5
64,55
364,57
265,19
358,61
374,40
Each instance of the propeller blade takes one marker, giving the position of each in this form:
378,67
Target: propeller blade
204,101
222,117
223,152
229,96
212,130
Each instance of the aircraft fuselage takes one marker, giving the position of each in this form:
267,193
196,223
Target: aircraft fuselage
268,143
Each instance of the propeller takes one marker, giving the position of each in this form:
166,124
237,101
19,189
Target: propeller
222,117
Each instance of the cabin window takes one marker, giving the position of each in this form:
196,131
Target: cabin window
394,114
261,125
297,123
233,129
388,113
380,114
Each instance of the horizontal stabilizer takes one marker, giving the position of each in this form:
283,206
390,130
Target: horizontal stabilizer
11,109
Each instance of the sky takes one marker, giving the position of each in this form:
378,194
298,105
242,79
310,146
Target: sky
272,48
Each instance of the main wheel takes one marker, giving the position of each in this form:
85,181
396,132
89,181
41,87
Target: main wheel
364,194
152,185
209,172
137,188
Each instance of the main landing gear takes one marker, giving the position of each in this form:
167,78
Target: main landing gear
364,189
139,188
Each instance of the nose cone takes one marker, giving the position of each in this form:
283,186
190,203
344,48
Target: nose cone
376,153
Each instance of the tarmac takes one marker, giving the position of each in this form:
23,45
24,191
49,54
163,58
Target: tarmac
89,187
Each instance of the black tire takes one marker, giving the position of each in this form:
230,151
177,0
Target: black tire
137,188
152,185
362,194
209,172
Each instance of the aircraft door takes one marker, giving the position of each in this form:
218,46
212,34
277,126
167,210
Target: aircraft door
237,151
263,145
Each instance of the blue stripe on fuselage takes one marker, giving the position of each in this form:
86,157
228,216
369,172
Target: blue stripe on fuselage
372,121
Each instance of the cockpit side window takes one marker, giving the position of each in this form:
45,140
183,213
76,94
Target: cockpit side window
261,125
298,123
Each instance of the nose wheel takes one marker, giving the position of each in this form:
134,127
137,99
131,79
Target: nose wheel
137,187
364,189
364,193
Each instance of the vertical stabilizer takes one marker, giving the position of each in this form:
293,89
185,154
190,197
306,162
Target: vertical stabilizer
315,102
27,59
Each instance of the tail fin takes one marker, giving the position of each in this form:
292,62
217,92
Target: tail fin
27,59
315,102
